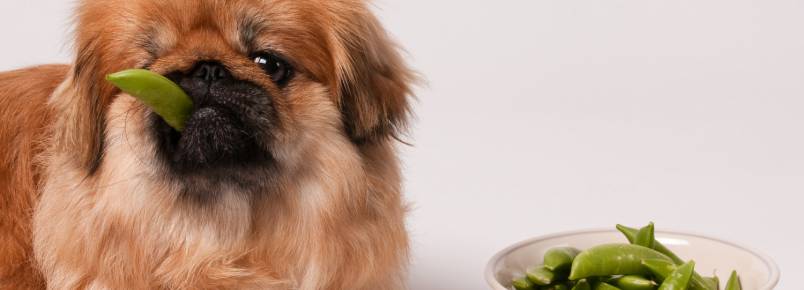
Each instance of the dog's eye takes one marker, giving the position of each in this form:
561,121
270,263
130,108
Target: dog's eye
276,67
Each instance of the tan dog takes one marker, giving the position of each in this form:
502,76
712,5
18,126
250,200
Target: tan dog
286,176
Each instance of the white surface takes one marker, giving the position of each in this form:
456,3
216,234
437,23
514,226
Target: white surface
712,256
545,116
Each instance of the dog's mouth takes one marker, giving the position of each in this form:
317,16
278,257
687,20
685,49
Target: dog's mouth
214,137
229,128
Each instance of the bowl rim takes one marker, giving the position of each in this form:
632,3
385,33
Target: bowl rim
491,277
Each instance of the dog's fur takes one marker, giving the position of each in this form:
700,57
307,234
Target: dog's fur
87,202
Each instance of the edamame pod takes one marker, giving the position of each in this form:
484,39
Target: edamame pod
613,259
556,287
631,235
523,284
734,282
582,285
646,237
560,259
698,283
605,286
541,276
711,282
159,93
632,282
680,278
662,269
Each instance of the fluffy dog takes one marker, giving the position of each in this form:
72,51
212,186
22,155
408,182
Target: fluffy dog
286,176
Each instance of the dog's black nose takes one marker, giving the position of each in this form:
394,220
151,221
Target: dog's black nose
211,71
231,122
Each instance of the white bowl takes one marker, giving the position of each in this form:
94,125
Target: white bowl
712,256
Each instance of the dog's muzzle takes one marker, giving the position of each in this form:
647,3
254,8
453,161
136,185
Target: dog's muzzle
230,124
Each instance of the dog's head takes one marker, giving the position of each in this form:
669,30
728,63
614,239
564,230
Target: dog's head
274,82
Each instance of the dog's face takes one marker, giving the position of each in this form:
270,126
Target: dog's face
276,84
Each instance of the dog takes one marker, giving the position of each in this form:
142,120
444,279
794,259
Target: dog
285,177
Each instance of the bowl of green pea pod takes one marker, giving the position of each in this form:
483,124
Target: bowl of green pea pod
627,258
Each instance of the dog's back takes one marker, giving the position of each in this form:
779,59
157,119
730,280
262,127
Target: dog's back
24,117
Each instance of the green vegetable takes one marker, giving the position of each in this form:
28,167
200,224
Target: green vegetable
605,286
680,278
523,284
632,233
541,276
734,282
645,264
698,283
556,287
159,93
662,269
711,282
633,282
560,259
582,285
646,237
613,259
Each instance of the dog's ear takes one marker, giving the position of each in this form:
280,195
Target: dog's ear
87,95
375,81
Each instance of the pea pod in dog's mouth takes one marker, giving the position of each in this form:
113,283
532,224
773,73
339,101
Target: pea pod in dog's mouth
159,93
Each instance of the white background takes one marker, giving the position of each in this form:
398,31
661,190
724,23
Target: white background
544,116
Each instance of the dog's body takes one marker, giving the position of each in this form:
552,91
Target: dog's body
24,119
284,180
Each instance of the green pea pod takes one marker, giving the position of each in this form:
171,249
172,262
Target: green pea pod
523,284
159,93
560,259
711,282
556,287
605,286
662,269
631,235
582,285
680,278
646,237
541,276
608,279
613,259
734,282
633,282
698,281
